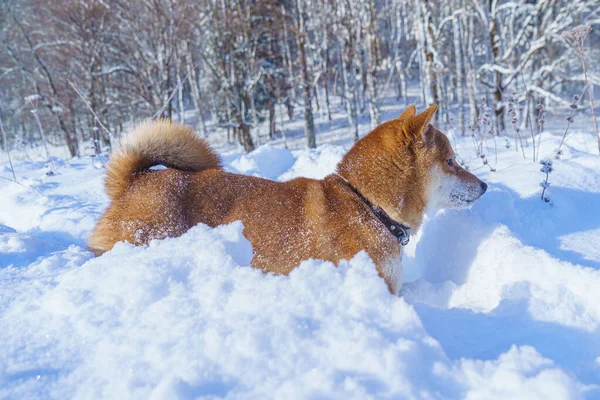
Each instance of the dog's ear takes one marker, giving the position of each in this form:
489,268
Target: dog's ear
418,124
408,113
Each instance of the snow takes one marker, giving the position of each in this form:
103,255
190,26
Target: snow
501,300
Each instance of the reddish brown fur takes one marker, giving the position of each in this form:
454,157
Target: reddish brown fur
286,222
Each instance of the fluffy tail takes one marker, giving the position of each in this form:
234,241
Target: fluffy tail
157,142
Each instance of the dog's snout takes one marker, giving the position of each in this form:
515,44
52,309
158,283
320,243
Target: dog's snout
483,187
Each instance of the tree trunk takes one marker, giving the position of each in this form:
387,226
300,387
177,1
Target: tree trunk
180,109
70,140
244,134
497,92
459,75
271,119
290,66
469,57
372,69
301,35
326,75
350,95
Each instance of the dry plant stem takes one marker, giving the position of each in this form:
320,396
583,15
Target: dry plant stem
591,94
12,168
518,135
547,169
544,188
457,155
522,147
495,151
110,135
527,116
540,131
157,114
571,118
25,186
576,39
283,135
39,124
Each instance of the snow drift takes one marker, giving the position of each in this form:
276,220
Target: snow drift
188,317
501,300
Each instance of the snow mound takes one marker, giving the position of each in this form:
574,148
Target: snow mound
18,249
500,300
267,161
188,318
316,164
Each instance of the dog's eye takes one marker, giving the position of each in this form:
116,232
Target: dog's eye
450,162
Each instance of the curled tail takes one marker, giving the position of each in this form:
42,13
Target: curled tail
151,143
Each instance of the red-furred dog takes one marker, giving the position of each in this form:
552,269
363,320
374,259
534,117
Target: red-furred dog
378,194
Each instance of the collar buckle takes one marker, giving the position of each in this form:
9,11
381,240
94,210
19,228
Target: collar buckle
400,231
403,235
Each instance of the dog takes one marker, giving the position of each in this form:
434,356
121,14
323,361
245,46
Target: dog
375,199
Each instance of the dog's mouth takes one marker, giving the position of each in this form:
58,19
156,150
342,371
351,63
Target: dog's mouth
458,193
461,199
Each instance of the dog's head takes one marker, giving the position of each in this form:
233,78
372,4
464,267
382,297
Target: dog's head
406,165
449,185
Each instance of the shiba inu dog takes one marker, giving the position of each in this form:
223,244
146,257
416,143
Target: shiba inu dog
376,197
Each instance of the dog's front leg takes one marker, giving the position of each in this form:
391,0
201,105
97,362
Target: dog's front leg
389,267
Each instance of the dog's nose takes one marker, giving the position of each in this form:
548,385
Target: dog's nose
483,187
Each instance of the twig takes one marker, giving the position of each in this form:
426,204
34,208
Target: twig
540,124
12,168
570,119
89,106
528,117
576,39
26,186
591,94
157,114
514,122
455,147
547,169
39,124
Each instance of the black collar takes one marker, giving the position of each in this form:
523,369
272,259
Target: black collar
400,231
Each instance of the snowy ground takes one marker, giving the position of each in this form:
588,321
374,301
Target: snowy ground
502,301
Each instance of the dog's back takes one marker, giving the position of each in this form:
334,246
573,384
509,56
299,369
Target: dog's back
286,222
